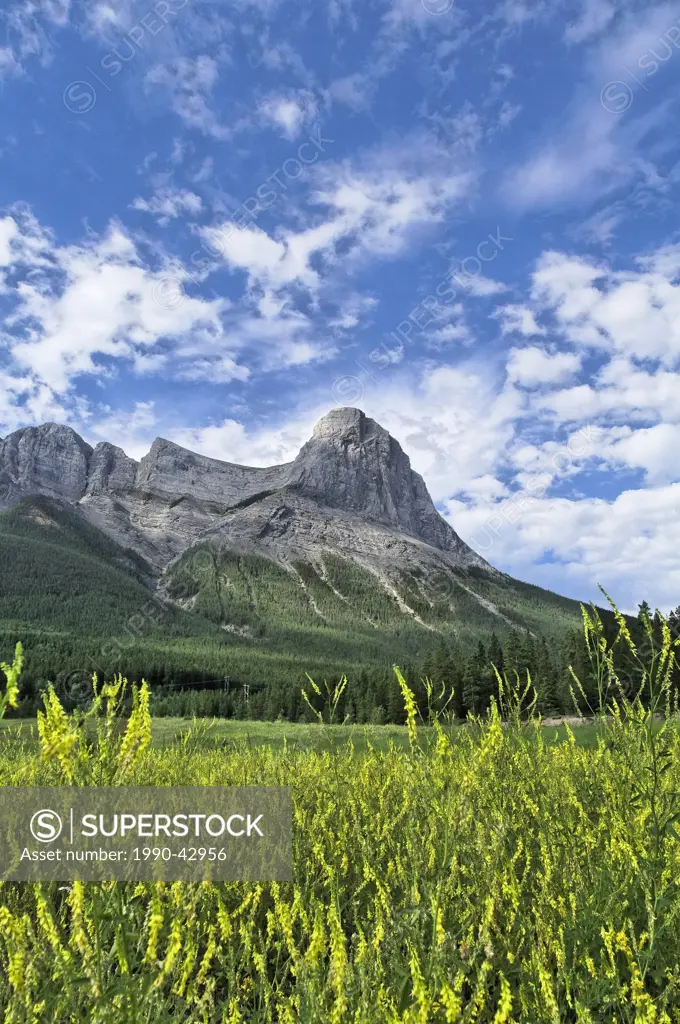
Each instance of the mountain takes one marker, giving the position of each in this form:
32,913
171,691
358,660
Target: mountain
331,562
350,474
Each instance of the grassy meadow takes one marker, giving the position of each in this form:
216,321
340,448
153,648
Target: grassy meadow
497,873
229,733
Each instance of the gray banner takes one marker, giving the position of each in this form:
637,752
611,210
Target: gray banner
144,833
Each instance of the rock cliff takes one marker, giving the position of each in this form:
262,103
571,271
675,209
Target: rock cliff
110,469
354,464
50,459
351,489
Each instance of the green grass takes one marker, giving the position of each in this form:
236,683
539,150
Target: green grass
216,733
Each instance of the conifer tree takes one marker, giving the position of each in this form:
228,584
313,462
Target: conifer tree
473,681
544,680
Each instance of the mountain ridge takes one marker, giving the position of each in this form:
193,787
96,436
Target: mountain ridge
172,496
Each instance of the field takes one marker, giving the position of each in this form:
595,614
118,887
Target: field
226,734
485,874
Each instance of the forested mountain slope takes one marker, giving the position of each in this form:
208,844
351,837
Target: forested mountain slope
181,568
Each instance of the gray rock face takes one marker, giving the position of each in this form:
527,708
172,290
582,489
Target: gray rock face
173,471
286,525
351,490
111,470
50,459
352,463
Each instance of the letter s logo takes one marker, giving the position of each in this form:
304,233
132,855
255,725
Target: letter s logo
46,826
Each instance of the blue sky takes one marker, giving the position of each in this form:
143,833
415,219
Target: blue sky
219,220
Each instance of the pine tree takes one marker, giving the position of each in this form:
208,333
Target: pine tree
395,706
474,682
443,676
544,680
512,652
496,653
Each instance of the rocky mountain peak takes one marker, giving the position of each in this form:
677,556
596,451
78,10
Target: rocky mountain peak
353,463
348,425
51,459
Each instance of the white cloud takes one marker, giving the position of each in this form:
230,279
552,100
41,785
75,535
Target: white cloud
371,211
354,91
205,171
220,369
652,449
634,35
289,113
635,313
517,319
26,26
598,146
230,441
620,391
533,365
103,16
8,232
601,226
450,334
353,308
481,286
453,422
9,65
78,303
248,249
581,160
630,545
507,113
169,203
409,15
25,401
132,430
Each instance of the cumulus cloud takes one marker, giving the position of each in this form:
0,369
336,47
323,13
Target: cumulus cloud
133,429
533,365
230,441
79,305
634,313
517,319
359,212
630,545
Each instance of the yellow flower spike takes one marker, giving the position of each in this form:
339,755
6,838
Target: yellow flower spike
10,698
156,921
504,1009
15,941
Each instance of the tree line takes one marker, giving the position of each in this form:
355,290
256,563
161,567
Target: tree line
371,695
